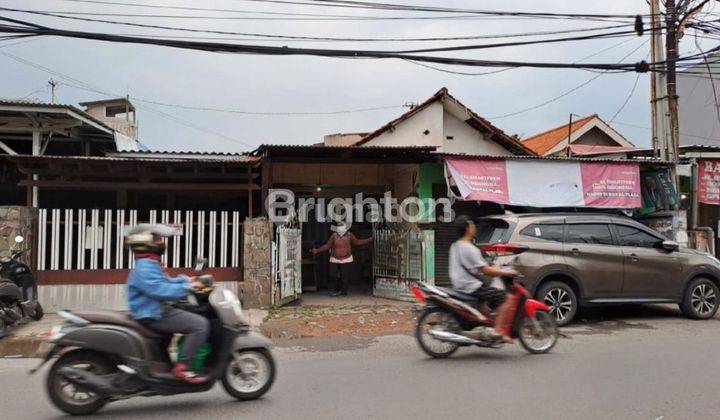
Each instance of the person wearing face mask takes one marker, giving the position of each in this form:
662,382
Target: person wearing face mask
340,245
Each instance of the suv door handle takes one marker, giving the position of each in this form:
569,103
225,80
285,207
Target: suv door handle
575,251
633,257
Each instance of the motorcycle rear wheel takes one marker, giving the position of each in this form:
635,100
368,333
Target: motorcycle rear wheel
432,346
65,395
540,337
39,312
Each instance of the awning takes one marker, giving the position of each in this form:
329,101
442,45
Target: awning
546,183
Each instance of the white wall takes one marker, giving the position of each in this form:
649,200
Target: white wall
440,125
466,139
411,131
94,296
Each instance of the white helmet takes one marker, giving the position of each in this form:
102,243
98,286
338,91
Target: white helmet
142,238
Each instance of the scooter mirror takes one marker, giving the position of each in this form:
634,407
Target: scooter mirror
19,239
200,264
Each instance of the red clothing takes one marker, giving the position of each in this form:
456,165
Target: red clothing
340,246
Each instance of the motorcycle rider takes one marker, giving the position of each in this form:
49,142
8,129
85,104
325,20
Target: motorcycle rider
466,269
149,288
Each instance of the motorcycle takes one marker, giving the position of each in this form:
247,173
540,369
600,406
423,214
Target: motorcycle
18,289
107,356
449,319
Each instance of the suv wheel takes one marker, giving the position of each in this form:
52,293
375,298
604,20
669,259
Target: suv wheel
701,299
561,299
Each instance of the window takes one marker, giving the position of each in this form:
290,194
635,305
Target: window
630,236
591,233
546,232
491,231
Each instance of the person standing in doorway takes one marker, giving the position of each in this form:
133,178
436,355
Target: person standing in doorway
340,245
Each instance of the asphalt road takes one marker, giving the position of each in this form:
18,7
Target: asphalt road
637,364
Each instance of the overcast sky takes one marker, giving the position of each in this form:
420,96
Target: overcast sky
310,84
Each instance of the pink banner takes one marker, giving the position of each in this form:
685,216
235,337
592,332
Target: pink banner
546,183
709,181
614,185
485,180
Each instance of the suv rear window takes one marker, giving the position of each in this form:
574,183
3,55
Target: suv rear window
548,232
491,231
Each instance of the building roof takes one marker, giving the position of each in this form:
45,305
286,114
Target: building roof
548,141
638,159
476,121
23,105
543,142
373,153
593,149
239,160
171,154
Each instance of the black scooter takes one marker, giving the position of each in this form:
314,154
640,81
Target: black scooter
18,290
107,356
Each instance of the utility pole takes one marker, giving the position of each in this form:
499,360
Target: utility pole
568,153
671,45
53,84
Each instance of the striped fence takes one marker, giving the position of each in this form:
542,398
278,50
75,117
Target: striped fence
70,239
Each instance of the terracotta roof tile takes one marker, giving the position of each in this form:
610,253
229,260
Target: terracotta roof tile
543,142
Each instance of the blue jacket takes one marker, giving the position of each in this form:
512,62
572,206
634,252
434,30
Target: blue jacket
149,286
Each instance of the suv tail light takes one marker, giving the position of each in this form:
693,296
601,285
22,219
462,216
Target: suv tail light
504,249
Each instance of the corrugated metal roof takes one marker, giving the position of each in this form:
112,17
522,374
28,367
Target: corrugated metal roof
28,158
559,158
171,153
320,148
36,104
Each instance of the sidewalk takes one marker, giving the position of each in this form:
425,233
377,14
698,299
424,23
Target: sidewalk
318,315
315,315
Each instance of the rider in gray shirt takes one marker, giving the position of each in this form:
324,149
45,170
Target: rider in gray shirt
467,267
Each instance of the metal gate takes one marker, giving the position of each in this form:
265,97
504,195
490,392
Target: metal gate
287,254
82,239
402,256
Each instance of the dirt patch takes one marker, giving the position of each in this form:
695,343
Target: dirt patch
316,321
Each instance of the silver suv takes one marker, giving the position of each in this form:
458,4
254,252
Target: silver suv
580,259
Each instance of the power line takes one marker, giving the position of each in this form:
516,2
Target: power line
564,94
318,52
485,73
683,134
78,84
314,38
627,99
84,86
420,8
372,6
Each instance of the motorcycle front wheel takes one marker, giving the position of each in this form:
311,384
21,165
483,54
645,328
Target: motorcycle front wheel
249,374
437,319
540,334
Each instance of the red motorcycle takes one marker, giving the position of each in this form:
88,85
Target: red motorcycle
449,319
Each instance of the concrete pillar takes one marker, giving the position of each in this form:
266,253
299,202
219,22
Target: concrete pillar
18,220
36,136
257,262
